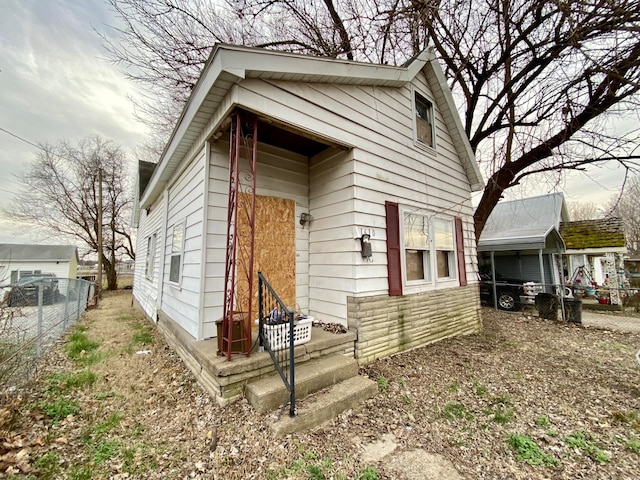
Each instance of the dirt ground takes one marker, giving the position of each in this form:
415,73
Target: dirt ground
525,399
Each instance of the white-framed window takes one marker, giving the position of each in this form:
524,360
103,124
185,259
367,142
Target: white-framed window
429,248
177,246
151,255
423,110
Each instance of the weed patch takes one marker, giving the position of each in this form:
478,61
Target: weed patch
105,451
63,382
81,349
501,410
579,440
48,466
368,473
529,452
383,384
456,411
542,421
633,445
60,408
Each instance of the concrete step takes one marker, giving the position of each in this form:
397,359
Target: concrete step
326,405
270,393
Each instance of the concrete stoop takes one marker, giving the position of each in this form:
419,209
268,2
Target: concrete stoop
331,385
326,405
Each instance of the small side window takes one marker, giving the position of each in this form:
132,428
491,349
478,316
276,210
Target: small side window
177,242
151,253
424,120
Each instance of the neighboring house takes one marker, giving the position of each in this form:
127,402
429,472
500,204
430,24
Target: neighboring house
521,239
632,270
350,157
24,259
595,251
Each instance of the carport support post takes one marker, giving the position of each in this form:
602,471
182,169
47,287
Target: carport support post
39,334
562,287
541,263
493,280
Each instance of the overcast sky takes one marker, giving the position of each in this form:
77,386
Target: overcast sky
56,85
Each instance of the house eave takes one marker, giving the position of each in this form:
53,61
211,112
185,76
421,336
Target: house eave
229,64
549,241
595,251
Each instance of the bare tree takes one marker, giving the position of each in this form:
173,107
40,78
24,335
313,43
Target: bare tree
60,194
627,206
584,211
538,80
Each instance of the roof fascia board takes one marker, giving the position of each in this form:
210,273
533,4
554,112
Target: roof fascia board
248,62
595,251
203,86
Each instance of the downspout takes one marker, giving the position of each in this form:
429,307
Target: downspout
163,252
203,247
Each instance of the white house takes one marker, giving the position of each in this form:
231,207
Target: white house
344,150
23,259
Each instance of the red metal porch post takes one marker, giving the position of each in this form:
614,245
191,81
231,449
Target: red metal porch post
242,200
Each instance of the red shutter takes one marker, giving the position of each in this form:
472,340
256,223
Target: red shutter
394,269
462,269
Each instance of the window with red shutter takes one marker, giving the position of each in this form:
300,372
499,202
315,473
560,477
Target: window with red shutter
462,269
394,270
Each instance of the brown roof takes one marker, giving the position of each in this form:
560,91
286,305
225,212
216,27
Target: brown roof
602,233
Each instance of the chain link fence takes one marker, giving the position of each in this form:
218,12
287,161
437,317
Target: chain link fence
567,300
33,316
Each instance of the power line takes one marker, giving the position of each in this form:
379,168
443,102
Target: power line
21,139
7,191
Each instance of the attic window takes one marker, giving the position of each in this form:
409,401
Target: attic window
424,120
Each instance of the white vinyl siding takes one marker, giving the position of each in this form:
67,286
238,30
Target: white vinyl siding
19,268
347,193
281,174
145,287
344,189
185,203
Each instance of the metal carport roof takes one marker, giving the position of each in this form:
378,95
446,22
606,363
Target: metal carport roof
525,224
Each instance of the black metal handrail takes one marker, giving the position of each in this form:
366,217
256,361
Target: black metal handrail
276,335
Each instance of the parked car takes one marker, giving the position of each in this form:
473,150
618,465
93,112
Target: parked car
511,292
26,291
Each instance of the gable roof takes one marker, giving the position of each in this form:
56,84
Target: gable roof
605,233
229,64
37,253
525,224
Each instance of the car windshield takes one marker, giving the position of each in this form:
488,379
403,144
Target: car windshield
31,278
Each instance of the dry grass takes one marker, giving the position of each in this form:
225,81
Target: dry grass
526,399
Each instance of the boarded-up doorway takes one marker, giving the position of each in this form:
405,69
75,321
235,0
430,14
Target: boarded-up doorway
275,248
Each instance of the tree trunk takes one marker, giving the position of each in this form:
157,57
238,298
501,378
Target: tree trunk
111,273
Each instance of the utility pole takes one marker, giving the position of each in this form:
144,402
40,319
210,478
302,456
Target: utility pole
99,274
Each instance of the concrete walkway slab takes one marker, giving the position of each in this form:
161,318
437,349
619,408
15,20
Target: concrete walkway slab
611,321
